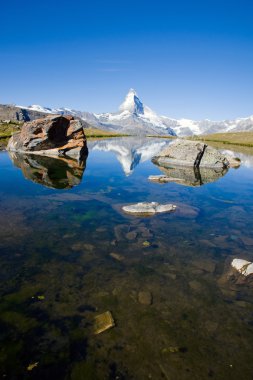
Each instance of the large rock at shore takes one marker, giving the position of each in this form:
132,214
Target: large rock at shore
53,135
191,153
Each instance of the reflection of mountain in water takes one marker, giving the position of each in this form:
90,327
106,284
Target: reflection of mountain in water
57,173
130,151
190,176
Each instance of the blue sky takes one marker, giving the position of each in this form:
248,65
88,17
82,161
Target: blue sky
189,59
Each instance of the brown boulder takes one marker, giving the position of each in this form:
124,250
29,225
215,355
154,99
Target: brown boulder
53,135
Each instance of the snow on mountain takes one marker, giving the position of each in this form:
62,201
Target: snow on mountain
136,118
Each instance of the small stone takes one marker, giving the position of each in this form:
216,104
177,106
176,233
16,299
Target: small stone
172,276
146,243
145,298
103,322
131,235
195,285
171,349
31,366
117,256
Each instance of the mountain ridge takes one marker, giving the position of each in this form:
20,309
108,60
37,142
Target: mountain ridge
136,118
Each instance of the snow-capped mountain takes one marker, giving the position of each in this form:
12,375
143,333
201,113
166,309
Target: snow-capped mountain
186,127
135,118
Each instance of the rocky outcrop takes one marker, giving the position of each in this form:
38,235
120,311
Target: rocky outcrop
191,153
52,172
148,208
54,135
13,113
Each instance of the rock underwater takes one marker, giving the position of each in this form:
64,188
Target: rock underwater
54,135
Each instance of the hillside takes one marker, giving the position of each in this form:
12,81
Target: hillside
236,138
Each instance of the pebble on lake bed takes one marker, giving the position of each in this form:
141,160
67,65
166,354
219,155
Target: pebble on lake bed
103,322
145,298
148,208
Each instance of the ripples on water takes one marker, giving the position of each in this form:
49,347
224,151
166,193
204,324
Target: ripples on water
68,253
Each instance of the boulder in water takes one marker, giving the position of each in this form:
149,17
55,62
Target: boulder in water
54,135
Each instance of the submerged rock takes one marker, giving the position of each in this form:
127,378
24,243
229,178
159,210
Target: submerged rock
243,266
145,298
54,135
148,208
191,153
117,256
103,322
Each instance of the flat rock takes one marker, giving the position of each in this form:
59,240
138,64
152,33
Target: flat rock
103,322
148,208
116,256
145,297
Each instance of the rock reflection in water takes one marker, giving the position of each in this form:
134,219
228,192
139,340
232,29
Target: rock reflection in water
56,173
191,176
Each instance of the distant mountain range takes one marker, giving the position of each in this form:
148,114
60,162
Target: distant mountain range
133,118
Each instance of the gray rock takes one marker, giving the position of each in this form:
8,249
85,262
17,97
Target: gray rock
148,208
191,153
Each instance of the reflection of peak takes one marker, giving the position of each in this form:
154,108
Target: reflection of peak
132,103
129,151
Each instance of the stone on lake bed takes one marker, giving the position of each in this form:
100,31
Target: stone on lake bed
103,322
148,208
145,298
243,266
116,256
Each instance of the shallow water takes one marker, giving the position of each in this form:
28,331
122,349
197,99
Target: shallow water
60,223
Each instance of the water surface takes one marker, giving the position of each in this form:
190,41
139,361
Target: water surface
68,253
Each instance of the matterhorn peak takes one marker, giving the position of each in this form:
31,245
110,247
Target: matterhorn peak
132,103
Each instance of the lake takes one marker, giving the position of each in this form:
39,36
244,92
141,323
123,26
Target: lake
68,253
